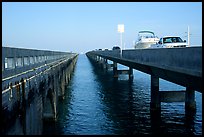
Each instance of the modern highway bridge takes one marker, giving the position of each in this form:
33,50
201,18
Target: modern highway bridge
182,66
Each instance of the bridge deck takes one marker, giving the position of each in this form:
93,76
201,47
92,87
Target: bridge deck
182,66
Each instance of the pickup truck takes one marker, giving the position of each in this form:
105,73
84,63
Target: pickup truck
170,42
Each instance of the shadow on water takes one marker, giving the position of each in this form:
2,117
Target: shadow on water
121,107
56,127
125,110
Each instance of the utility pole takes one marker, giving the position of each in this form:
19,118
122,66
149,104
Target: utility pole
188,37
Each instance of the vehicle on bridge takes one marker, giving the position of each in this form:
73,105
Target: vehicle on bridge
170,42
145,39
116,47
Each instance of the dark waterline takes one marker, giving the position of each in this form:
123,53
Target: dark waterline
96,103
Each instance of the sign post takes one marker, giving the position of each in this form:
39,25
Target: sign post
121,30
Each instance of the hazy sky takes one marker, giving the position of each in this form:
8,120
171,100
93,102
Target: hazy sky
84,26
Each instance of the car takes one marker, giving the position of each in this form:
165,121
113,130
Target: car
170,42
116,48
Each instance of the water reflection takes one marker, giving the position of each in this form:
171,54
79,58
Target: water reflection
96,103
125,110
122,108
190,116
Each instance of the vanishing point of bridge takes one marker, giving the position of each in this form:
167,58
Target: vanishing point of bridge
34,80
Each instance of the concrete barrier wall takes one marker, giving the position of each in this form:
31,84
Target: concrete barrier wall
183,59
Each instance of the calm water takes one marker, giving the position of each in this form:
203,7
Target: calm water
95,103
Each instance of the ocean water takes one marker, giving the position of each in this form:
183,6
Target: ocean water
97,104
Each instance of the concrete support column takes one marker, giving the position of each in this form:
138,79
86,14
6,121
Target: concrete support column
101,62
106,61
115,71
190,103
58,89
155,98
66,77
130,73
69,77
67,74
97,58
55,88
104,64
23,111
62,84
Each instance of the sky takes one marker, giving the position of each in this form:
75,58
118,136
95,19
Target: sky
80,27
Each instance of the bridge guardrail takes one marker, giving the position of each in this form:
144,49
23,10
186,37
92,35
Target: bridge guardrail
18,61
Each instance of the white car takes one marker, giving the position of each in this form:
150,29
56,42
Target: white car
170,42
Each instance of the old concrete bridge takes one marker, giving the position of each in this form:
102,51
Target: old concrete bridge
32,83
182,66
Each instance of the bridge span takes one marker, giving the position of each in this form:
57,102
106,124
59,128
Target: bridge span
182,66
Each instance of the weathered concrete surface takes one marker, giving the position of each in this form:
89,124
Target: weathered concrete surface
18,55
182,66
172,96
31,97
